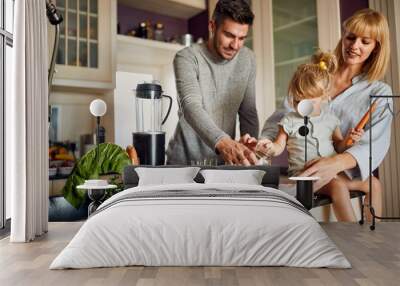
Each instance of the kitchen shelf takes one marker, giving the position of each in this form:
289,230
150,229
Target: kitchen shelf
58,177
133,50
183,9
295,23
292,61
149,43
75,85
80,39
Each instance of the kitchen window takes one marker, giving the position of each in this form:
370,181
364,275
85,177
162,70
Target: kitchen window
6,44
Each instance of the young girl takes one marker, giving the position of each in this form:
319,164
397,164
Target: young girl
311,81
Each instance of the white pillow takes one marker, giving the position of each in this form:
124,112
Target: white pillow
165,176
248,177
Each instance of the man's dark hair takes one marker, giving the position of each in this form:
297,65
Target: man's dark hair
237,10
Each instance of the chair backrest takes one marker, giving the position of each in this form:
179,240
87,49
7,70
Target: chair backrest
271,178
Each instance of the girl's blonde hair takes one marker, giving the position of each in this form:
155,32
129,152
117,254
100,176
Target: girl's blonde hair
368,22
312,80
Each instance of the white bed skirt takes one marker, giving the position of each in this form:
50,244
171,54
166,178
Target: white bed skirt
191,231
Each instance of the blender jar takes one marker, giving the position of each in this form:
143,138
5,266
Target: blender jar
149,107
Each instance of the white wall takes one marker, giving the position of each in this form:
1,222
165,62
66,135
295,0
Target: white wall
169,87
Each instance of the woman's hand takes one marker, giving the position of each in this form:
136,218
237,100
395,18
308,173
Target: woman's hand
355,134
325,168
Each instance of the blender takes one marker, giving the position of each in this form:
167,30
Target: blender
149,139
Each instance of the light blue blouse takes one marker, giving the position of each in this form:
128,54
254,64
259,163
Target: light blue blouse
349,107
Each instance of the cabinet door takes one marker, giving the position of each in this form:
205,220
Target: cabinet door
84,53
295,36
300,28
285,34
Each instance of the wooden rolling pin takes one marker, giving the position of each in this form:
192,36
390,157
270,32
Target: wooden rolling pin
364,120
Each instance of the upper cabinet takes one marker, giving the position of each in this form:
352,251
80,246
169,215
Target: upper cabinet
79,34
183,9
84,58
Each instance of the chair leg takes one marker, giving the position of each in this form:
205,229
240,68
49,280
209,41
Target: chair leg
372,210
360,200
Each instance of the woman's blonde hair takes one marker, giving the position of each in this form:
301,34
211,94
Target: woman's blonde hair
374,24
312,80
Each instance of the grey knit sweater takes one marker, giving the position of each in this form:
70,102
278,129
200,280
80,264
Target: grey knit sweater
211,93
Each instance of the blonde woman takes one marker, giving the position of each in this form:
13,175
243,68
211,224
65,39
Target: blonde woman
312,82
363,54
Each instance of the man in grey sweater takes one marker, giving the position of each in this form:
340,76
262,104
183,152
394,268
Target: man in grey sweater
215,83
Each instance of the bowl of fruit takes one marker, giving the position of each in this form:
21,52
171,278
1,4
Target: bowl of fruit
52,171
66,168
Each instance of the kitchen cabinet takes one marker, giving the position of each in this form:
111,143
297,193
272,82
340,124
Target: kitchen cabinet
211,7
284,34
56,186
295,36
84,57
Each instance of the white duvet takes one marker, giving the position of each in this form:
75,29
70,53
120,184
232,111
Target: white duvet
206,230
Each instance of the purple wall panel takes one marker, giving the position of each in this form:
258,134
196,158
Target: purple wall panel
129,18
198,26
347,8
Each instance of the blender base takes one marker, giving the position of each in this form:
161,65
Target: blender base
150,147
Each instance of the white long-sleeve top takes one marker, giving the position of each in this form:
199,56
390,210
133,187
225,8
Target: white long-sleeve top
349,107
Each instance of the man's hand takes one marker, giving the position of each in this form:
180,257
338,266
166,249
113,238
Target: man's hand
235,153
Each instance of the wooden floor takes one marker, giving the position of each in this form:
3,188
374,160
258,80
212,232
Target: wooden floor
374,255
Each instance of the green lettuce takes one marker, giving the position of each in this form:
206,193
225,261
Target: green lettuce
112,159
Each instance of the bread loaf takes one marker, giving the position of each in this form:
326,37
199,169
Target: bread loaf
364,120
132,154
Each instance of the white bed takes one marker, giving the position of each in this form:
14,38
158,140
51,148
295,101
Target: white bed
203,225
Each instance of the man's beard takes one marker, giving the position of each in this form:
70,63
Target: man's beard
217,51
215,45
